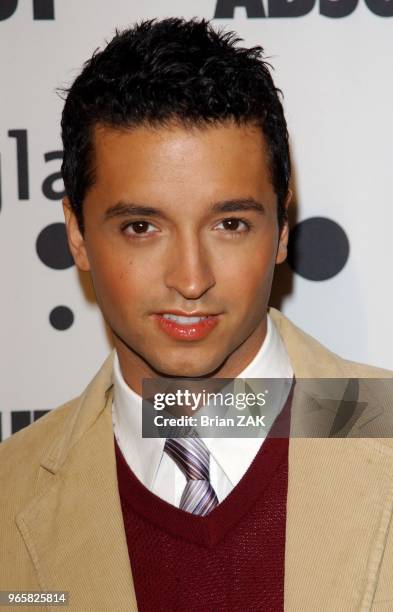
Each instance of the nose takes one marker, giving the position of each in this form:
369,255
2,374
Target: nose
189,268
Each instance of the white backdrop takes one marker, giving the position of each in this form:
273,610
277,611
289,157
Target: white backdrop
336,75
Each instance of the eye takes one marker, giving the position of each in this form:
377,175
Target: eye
232,225
137,228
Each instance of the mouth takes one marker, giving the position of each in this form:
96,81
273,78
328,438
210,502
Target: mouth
182,326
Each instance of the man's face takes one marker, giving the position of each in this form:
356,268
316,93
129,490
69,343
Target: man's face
209,246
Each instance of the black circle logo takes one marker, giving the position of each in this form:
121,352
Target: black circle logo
52,247
61,318
318,248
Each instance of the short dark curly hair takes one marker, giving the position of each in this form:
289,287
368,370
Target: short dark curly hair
160,71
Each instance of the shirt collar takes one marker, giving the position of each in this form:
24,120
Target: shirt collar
233,455
143,455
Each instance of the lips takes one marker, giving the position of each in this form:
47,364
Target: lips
182,326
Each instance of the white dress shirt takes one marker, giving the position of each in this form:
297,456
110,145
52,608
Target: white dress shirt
229,457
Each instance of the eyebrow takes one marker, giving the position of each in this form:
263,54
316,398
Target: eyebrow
125,209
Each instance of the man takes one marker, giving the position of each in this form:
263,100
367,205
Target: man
176,168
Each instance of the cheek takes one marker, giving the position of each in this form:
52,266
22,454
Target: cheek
117,278
247,276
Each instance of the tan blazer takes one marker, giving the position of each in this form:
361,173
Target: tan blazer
61,525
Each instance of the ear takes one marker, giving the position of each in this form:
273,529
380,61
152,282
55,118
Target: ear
282,249
76,241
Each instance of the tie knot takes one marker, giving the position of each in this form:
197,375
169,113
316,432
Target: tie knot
191,455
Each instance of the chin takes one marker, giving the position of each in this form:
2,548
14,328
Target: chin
186,370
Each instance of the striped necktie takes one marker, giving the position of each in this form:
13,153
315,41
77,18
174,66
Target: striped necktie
192,457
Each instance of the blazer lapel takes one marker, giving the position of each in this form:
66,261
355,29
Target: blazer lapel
74,528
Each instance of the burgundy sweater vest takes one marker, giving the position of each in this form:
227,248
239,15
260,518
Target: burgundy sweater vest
230,560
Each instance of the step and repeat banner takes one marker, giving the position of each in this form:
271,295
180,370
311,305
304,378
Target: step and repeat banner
333,60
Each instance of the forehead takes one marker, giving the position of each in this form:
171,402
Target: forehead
146,162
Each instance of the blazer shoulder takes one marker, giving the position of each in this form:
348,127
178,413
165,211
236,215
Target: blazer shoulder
311,359
21,475
47,422
362,370
23,449
47,441
32,442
